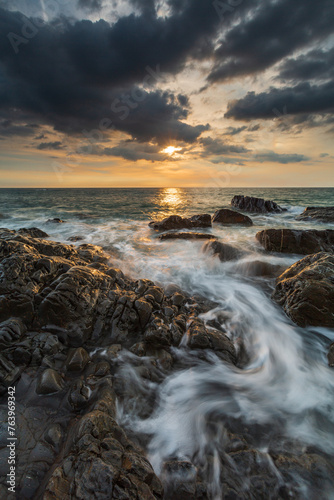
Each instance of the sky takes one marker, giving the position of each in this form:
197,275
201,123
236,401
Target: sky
166,93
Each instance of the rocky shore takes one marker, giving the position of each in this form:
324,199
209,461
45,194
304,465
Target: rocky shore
69,319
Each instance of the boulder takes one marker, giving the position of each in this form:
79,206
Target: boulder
256,205
187,236
306,291
177,222
34,232
321,214
296,241
75,238
259,268
49,382
224,251
56,220
228,217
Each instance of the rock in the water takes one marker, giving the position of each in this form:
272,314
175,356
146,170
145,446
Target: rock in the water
321,214
34,232
306,291
228,217
78,359
56,220
259,268
224,251
177,222
187,236
50,382
296,241
257,205
75,238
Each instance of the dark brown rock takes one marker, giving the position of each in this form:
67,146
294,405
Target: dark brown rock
77,359
56,220
256,205
177,222
330,355
49,382
187,236
224,251
260,268
231,217
34,232
321,214
306,291
296,241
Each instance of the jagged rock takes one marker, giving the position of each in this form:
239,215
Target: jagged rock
75,238
34,232
256,205
49,382
177,222
296,241
321,214
224,251
306,291
187,236
78,359
231,217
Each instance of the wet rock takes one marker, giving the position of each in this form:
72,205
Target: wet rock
75,238
56,220
259,268
231,217
34,232
199,337
9,373
78,359
296,241
187,236
256,205
49,382
321,214
54,435
180,477
330,355
177,222
224,251
306,291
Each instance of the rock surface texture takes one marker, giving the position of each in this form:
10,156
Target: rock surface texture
320,214
228,217
296,241
306,291
177,222
256,205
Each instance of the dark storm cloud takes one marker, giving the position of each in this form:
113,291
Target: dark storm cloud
9,129
217,147
303,98
135,152
50,145
316,64
69,75
90,4
234,130
271,156
273,31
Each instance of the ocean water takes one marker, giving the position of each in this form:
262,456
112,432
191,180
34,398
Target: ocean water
286,384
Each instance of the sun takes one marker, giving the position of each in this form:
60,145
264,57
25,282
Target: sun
170,150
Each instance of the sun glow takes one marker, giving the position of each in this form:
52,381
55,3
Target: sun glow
170,150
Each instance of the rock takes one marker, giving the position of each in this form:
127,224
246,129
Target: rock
78,359
34,232
229,217
321,214
187,236
50,382
75,238
256,205
306,291
224,251
296,241
259,268
330,355
56,220
177,222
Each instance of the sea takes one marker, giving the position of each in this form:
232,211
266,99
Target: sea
286,387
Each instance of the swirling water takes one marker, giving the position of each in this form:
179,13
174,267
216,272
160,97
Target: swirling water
286,384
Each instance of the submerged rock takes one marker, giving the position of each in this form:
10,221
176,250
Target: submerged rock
75,238
56,220
306,291
177,222
259,268
224,251
296,241
187,236
321,214
231,217
256,205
